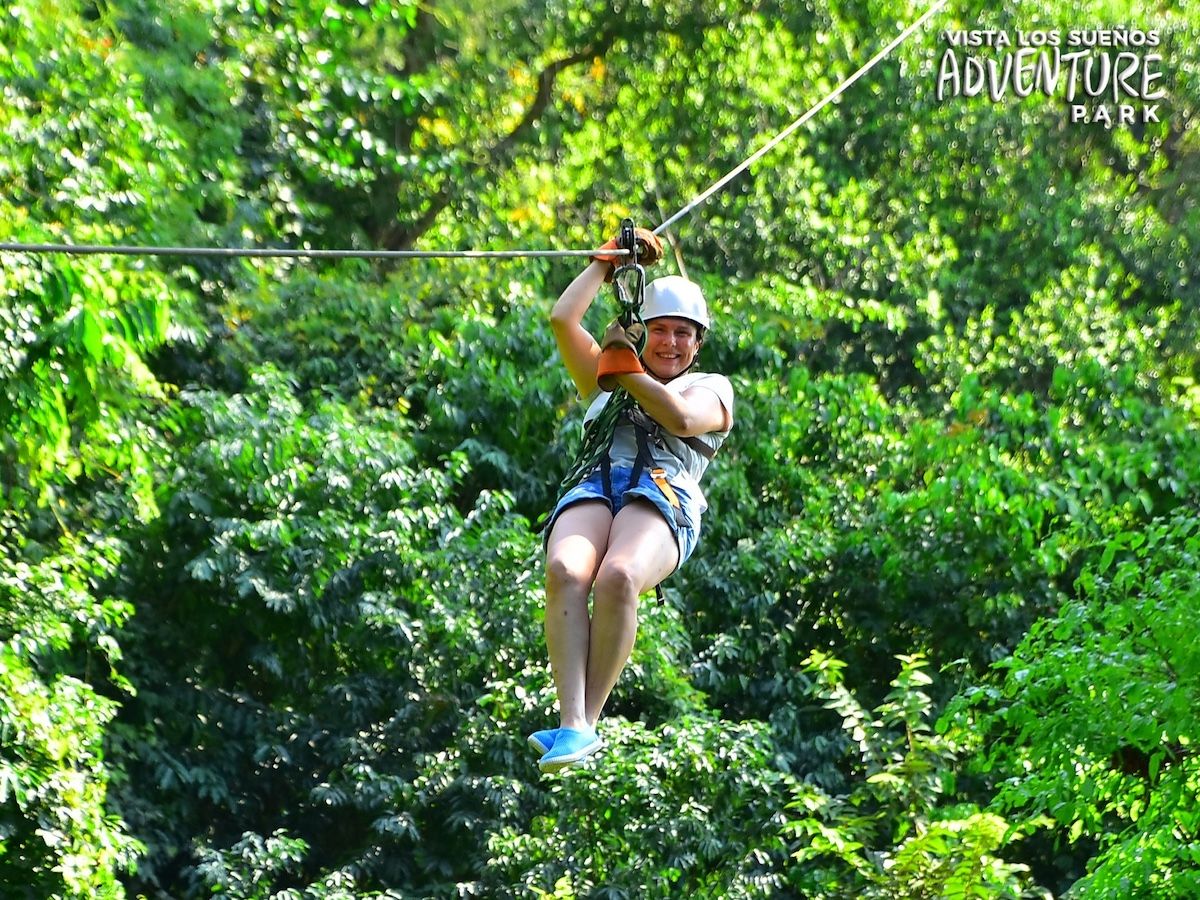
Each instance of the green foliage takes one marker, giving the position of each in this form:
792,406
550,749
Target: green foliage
946,521
310,541
470,363
1094,722
963,345
325,106
893,835
381,667
76,388
85,158
57,837
250,869
678,812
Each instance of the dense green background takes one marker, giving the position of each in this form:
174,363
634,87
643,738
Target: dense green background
269,596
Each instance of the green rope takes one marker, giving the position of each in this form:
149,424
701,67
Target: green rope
597,439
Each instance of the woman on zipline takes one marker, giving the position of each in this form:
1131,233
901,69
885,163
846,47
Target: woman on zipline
635,518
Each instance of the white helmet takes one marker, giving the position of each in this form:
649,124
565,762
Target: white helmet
674,295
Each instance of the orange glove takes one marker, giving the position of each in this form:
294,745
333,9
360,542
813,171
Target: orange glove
619,354
650,250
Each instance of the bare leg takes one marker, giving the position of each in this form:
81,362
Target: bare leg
576,546
641,552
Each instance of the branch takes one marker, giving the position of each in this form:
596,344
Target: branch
401,236
545,91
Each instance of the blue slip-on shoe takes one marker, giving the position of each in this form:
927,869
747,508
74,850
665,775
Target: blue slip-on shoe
542,741
570,748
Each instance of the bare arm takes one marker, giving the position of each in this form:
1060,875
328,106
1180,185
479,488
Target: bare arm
578,348
696,411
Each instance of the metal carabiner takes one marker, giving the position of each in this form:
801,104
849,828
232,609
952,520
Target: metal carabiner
629,280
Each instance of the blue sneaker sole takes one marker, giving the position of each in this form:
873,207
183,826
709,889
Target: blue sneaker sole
566,760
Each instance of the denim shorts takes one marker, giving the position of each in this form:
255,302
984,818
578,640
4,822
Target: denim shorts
592,488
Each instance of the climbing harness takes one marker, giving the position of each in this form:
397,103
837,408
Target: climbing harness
647,432
636,417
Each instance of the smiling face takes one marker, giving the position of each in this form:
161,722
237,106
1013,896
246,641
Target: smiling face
671,346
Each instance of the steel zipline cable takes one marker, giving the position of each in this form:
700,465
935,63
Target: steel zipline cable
273,252
270,252
808,114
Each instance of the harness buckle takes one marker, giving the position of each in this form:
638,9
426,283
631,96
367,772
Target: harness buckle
660,478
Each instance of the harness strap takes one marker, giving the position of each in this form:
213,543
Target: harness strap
606,475
638,418
659,476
